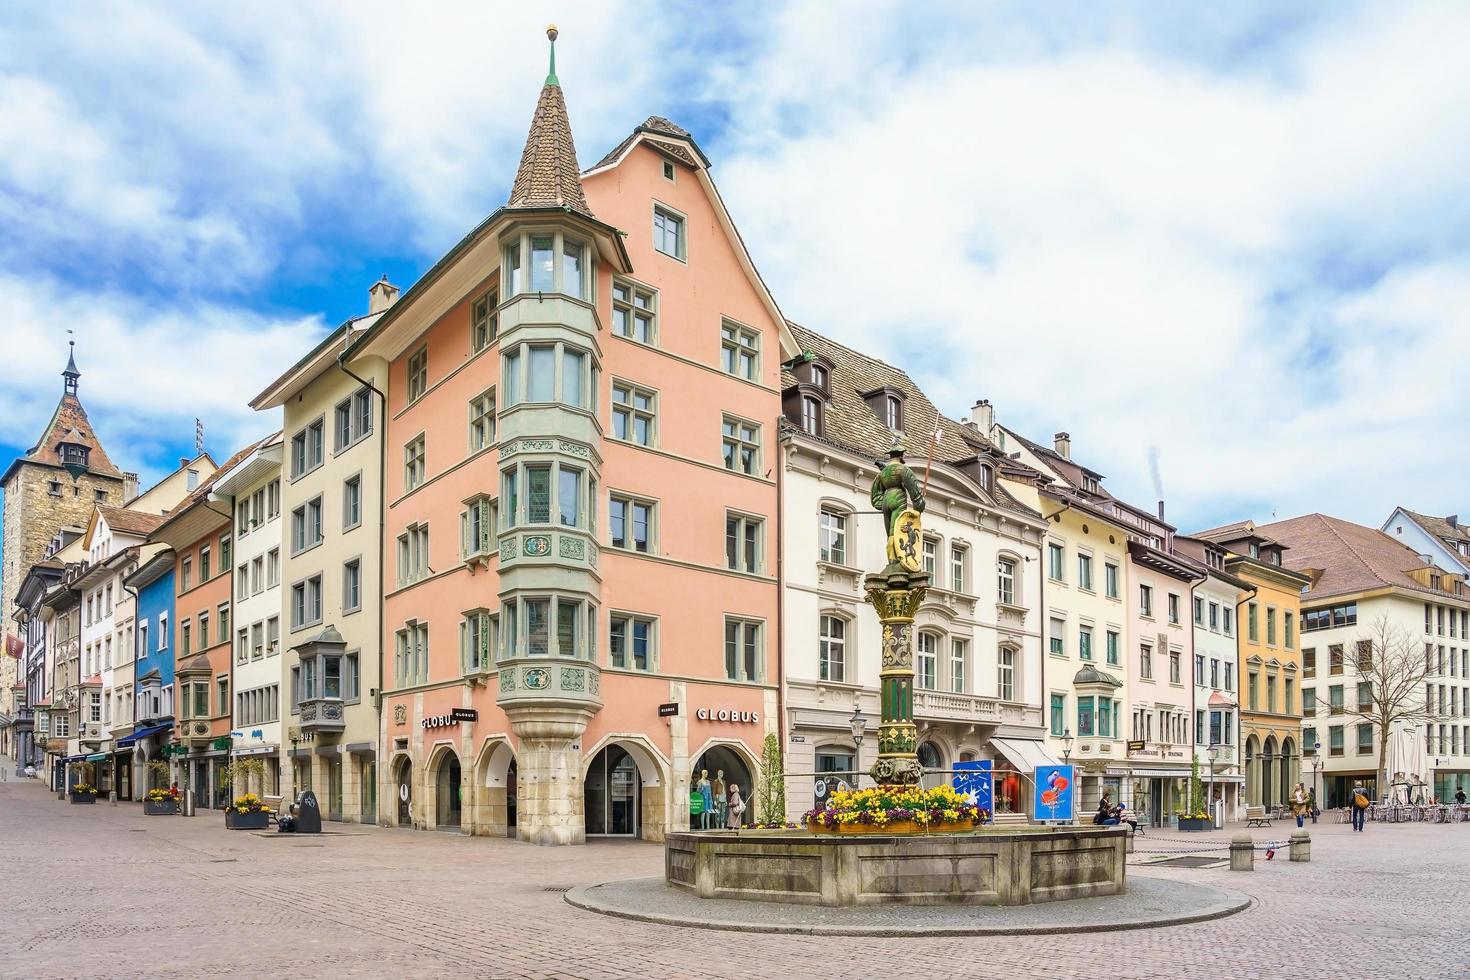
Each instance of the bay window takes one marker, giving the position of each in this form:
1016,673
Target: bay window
557,263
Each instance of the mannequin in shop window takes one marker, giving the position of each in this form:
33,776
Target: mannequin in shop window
721,802
707,796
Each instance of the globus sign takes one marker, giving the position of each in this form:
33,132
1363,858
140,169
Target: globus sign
727,714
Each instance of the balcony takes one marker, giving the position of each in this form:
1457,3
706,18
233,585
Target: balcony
323,716
529,681
972,709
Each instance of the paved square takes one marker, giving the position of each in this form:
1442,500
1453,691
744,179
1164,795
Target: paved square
104,891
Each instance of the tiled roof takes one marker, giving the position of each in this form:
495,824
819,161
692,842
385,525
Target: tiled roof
850,423
69,424
1352,557
548,175
1452,534
130,521
654,126
206,485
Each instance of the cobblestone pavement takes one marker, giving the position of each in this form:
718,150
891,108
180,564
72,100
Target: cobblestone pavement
104,891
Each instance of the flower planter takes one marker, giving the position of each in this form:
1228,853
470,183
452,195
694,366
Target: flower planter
160,808
895,827
83,797
1195,825
247,821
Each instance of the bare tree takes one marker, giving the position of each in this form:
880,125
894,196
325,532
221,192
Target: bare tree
1393,665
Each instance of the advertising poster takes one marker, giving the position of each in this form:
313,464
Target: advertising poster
1054,794
976,781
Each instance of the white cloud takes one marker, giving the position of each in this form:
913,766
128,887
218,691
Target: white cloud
1142,251
147,372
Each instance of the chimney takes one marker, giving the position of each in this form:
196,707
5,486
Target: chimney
982,417
381,295
1161,510
130,487
1453,520
1062,442
183,461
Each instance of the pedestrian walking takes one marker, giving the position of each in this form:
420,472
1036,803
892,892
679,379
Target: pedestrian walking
1358,803
1300,805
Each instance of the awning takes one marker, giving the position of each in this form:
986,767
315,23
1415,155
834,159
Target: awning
5,720
1024,753
98,757
1161,773
74,758
1222,779
141,734
258,750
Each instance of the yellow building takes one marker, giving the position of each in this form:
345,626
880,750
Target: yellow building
1269,661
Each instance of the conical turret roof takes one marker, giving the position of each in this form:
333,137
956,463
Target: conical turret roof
548,176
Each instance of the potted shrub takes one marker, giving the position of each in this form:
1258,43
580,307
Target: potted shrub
248,812
1194,817
83,793
161,802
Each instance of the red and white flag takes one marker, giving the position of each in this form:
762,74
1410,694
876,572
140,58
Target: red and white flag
14,645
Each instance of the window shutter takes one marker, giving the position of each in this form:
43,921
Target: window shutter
465,550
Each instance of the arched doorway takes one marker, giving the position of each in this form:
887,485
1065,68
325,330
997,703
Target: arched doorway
931,756
1252,771
403,777
613,794
1288,769
495,795
726,768
447,805
1268,772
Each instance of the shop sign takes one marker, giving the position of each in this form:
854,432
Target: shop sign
727,714
668,710
439,721
1136,746
464,714
798,740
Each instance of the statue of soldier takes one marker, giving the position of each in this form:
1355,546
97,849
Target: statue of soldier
896,491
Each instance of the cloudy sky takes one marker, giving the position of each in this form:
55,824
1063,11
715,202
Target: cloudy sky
1236,240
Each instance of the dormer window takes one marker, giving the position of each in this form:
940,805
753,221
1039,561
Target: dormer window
811,415
893,413
1089,483
819,376
71,453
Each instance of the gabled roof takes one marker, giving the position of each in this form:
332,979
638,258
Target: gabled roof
69,424
681,147
126,521
200,494
1448,530
851,424
548,176
1350,557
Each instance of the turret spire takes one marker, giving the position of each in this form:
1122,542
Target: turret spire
551,33
548,176
71,375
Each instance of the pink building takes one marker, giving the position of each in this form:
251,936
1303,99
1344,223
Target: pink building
580,504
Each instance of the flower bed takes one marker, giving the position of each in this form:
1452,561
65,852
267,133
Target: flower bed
83,793
896,810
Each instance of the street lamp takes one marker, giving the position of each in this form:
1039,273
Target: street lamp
1066,746
859,724
1213,752
1316,771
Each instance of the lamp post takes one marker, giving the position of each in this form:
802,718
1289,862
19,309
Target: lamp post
859,725
1066,746
1213,752
1316,771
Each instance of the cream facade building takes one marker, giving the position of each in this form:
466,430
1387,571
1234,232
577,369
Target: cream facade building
252,489
978,687
331,571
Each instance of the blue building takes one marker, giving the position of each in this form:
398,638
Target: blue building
153,669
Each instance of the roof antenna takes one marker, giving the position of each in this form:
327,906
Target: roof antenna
551,33
198,437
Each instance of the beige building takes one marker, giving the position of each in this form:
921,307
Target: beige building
331,571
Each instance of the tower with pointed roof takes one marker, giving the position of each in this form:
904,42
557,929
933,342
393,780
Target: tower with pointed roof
54,485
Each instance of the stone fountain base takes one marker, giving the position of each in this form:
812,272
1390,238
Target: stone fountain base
1019,866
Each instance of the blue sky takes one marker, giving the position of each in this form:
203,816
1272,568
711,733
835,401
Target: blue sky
1240,236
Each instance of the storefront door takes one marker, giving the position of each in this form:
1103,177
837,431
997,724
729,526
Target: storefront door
405,793
613,794
447,813
334,787
368,789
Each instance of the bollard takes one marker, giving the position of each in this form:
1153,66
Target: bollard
1242,853
1301,846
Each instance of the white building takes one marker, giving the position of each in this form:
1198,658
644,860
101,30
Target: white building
1444,539
1362,578
252,489
977,657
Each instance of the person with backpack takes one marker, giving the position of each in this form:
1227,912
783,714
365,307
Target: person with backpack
1299,804
1358,803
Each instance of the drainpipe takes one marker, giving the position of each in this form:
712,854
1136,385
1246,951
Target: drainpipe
1240,681
781,606
382,553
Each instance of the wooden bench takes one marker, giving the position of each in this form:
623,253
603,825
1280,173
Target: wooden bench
274,802
1255,816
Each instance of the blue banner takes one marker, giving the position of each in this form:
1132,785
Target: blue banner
1054,797
977,781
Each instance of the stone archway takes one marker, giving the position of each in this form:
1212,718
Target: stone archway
1269,771
651,775
443,780
1252,771
493,791
739,766
403,791
1289,768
